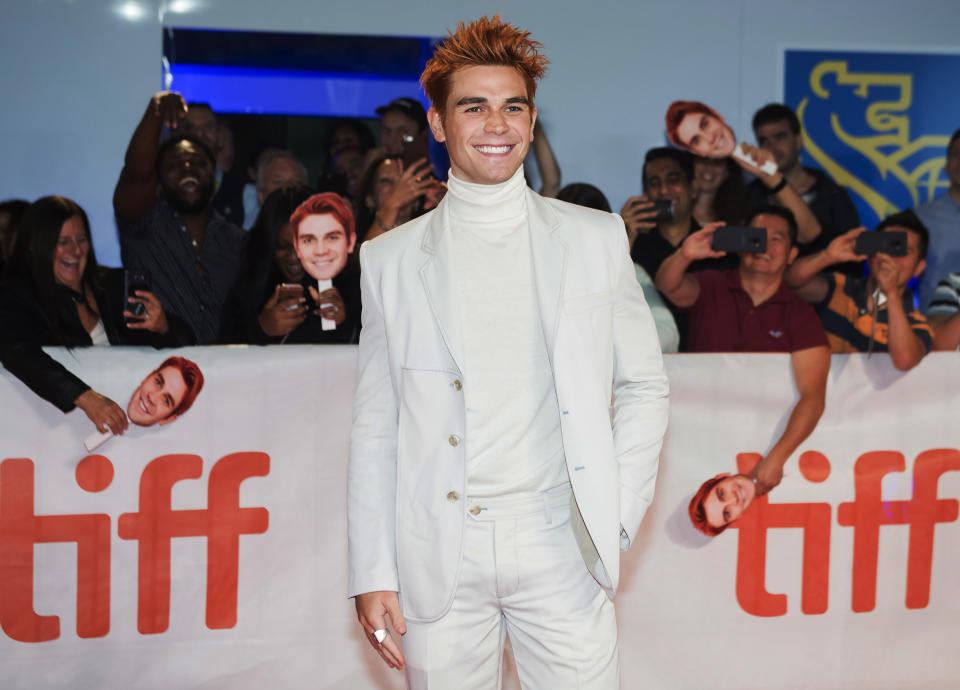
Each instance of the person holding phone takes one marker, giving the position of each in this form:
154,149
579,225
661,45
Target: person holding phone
659,221
267,302
749,309
874,313
391,190
58,295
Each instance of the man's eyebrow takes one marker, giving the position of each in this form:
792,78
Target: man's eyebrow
470,100
519,99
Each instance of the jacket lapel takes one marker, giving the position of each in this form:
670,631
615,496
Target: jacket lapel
548,248
439,281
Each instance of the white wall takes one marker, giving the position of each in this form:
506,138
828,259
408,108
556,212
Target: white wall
76,75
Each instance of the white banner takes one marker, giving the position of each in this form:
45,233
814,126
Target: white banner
211,552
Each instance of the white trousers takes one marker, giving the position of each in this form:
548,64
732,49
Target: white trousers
522,575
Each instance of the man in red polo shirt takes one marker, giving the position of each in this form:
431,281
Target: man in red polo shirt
749,309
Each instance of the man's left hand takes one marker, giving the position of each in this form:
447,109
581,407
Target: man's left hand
153,319
330,304
768,475
885,270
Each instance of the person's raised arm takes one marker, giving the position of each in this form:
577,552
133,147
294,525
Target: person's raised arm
803,276
550,176
810,369
136,192
808,227
672,278
905,346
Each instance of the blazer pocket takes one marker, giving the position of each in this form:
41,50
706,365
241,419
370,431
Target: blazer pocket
586,303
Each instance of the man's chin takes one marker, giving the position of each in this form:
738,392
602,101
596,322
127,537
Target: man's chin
138,420
188,205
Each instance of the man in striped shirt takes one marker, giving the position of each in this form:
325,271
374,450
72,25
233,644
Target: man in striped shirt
944,313
874,313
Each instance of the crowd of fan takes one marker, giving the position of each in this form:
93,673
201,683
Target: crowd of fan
212,254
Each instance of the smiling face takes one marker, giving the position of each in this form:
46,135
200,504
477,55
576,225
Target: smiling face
664,179
487,123
706,135
780,251
709,173
323,245
186,175
70,255
285,254
728,499
157,397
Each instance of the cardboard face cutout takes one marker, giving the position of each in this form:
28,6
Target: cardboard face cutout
164,395
702,131
324,237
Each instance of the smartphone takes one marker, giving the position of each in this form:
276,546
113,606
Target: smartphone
728,238
664,211
133,280
288,291
414,150
892,242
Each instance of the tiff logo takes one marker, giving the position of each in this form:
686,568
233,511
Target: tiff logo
865,514
153,527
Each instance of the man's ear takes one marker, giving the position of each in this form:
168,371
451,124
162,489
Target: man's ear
533,120
353,242
921,266
792,255
436,124
167,420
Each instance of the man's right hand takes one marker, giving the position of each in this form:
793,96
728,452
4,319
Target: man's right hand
414,182
277,318
636,213
169,107
841,248
102,411
372,610
697,245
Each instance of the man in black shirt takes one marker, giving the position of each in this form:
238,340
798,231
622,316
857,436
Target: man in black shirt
778,130
667,176
167,224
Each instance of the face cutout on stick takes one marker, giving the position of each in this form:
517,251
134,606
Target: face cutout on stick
699,129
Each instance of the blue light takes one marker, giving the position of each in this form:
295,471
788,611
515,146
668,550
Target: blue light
288,92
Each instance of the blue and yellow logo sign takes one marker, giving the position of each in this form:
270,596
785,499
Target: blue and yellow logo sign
877,123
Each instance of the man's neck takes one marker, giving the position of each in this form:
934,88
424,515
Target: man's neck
196,224
675,231
760,286
798,178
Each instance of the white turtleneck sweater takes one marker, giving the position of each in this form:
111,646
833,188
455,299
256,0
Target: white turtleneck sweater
513,441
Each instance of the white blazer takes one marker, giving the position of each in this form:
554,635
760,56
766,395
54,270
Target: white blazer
406,480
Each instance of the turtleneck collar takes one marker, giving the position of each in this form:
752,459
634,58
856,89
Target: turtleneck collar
486,203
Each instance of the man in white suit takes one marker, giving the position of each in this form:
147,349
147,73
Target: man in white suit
488,491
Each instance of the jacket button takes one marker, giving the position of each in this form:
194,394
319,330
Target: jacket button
475,510
457,385
452,497
454,440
